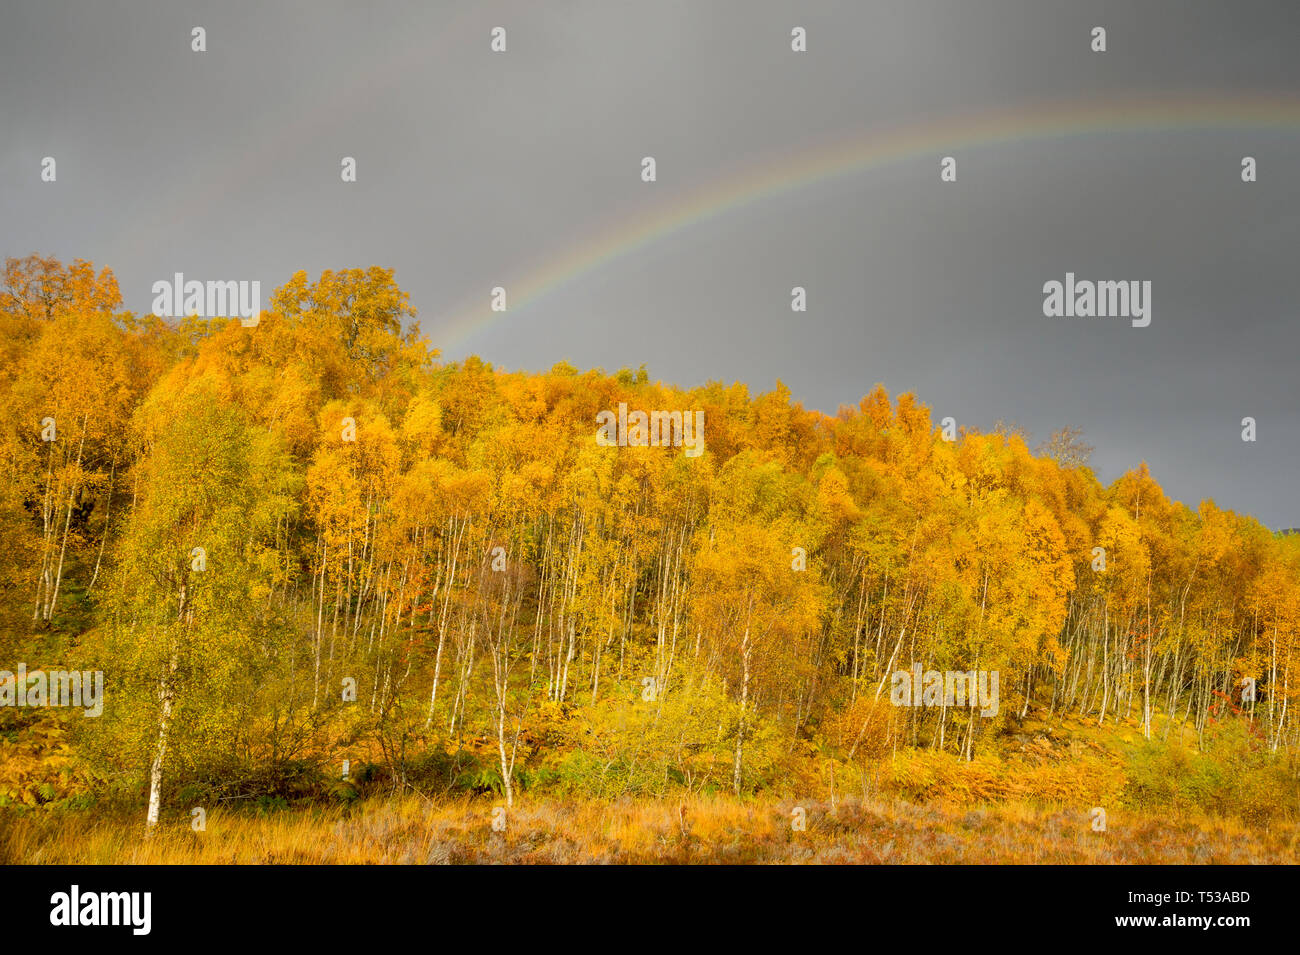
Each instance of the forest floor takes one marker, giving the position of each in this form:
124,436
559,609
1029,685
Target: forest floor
410,830
1031,802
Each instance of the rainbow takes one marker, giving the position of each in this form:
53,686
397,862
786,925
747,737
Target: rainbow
872,149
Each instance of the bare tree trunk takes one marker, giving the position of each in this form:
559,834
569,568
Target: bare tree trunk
744,700
67,522
108,510
166,695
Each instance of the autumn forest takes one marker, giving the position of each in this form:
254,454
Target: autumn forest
320,569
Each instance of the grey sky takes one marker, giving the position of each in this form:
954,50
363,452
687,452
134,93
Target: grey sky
478,169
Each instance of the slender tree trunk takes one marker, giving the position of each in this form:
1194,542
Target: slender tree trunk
744,701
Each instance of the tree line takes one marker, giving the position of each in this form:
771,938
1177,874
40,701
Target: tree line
311,537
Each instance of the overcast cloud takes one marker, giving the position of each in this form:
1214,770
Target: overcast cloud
478,169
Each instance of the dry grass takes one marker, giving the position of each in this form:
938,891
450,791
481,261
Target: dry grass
409,831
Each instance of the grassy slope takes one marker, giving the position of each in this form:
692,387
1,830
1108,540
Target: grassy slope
697,830
1031,802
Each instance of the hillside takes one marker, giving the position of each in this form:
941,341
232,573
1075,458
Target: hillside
314,566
